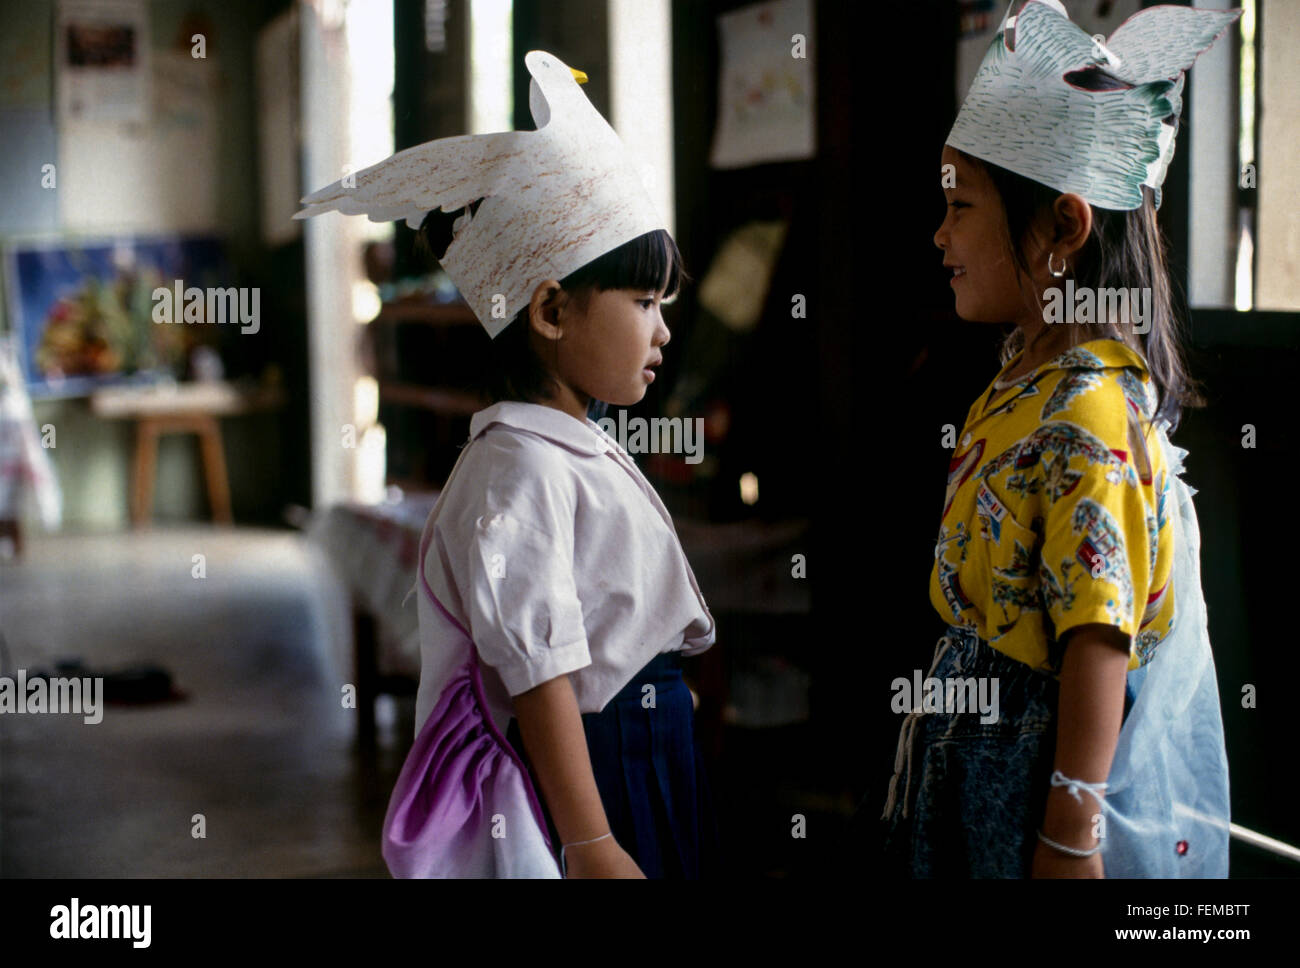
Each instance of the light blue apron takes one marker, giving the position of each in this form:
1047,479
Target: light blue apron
1166,805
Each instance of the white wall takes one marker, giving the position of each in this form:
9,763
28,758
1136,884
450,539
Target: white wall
641,91
332,246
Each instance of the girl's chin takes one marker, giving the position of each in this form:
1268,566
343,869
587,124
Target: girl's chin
627,399
975,316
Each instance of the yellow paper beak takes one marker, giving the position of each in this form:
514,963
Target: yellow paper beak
578,76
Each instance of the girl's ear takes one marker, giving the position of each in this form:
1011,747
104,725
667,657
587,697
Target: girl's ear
1073,223
549,299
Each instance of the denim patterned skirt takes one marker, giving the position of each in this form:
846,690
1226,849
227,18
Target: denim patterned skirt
967,797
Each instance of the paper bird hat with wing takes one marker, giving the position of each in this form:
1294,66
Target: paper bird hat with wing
553,199
1064,109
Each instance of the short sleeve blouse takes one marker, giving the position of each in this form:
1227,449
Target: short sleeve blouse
554,552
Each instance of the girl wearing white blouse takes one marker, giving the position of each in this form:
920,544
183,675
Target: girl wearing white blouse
552,550
548,556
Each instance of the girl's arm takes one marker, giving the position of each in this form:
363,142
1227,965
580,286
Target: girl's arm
556,744
1091,710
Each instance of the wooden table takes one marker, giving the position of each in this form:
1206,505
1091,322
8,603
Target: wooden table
181,408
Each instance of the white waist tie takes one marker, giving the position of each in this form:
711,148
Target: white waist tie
906,735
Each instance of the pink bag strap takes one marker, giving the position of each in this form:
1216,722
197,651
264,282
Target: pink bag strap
475,669
425,539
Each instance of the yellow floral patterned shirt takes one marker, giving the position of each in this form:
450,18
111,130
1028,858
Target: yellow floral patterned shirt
1057,510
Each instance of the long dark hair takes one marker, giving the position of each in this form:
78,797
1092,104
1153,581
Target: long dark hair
1125,250
650,261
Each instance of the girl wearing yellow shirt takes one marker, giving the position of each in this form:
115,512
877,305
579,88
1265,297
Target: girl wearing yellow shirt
1055,560
1054,557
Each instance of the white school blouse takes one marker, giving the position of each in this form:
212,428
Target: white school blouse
557,555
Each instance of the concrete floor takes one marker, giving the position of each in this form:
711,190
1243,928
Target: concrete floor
262,747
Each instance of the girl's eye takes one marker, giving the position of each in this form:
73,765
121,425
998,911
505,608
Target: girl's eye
645,303
959,205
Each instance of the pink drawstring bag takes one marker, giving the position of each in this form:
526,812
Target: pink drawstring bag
464,805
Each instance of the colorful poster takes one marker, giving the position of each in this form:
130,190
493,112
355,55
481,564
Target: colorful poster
82,312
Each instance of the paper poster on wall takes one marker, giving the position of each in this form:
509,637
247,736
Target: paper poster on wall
159,177
766,108
101,60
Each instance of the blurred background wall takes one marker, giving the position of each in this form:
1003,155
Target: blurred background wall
93,456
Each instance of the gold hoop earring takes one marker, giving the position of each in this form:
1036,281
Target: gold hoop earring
1064,265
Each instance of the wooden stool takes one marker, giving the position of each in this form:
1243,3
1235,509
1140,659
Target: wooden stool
184,408
213,456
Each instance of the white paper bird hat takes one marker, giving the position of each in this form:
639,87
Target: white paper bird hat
1029,111
553,199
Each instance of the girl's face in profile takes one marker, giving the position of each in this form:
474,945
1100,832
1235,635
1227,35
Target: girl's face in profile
608,345
973,237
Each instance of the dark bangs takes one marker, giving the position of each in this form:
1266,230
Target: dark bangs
649,262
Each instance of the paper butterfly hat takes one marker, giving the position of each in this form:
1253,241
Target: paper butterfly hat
553,199
1029,110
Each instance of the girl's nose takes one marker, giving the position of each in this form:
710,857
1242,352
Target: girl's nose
941,234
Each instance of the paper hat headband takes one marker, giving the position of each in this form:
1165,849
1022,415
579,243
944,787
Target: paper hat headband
553,199
1027,112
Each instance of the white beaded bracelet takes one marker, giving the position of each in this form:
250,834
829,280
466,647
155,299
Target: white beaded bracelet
1097,790
1072,851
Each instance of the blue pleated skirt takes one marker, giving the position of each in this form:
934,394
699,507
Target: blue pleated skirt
650,774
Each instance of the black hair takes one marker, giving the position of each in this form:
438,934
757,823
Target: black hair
1125,249
648,262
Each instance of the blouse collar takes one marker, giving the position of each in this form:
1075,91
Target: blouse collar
583,437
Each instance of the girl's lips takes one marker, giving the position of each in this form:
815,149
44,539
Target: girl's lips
958,272
649,373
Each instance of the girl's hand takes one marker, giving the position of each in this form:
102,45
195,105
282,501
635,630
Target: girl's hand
553,735
604,858
1052,863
